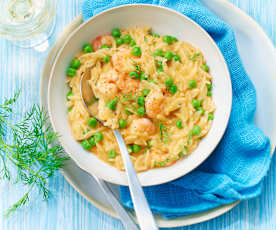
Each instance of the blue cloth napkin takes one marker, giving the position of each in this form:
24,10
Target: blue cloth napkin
235,170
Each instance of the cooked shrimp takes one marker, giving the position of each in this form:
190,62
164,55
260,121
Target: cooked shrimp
121,61
106,85
143,125
153,103
101,40
127,84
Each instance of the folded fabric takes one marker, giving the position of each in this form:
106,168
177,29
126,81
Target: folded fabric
235,170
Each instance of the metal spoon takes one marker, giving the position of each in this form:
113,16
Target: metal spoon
141,207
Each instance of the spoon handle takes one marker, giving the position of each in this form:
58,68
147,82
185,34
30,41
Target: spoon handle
116,205
141,207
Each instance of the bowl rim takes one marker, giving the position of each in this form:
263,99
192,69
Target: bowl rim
121,181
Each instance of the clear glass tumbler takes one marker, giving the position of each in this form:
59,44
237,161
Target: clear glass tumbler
27,23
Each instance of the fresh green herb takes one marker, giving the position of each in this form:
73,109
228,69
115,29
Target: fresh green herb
138,68
159,164
145,39
32,149
164,134
184,151
195,57
128,112
148,145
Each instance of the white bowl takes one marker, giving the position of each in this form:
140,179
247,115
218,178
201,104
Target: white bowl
163,21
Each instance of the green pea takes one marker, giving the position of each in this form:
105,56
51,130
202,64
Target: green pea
159,52
136,51
71,72
68,95
130,148
196,103
92,122
155,35
202,111
98,137
134,74
136,148
141,111
205,67
105,46
192,83
111,154
132,43
116,33
69,109
168,55
86,145
87,48
75,63
167,39
209,93
210,116
169,82
196,130
174,39
141,100
127,39
176,58
179,124
143,76
145,92
119,41
209,86
106,59
111,104
122,123
173,89
92,141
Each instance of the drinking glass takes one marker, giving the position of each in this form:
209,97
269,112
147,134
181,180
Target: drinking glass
28,23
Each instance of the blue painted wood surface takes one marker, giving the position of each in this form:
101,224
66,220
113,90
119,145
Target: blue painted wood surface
66,209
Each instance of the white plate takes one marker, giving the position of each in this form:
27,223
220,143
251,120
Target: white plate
255,49
156,17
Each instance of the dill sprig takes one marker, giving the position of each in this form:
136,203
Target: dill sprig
164,133
195,57
32,149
